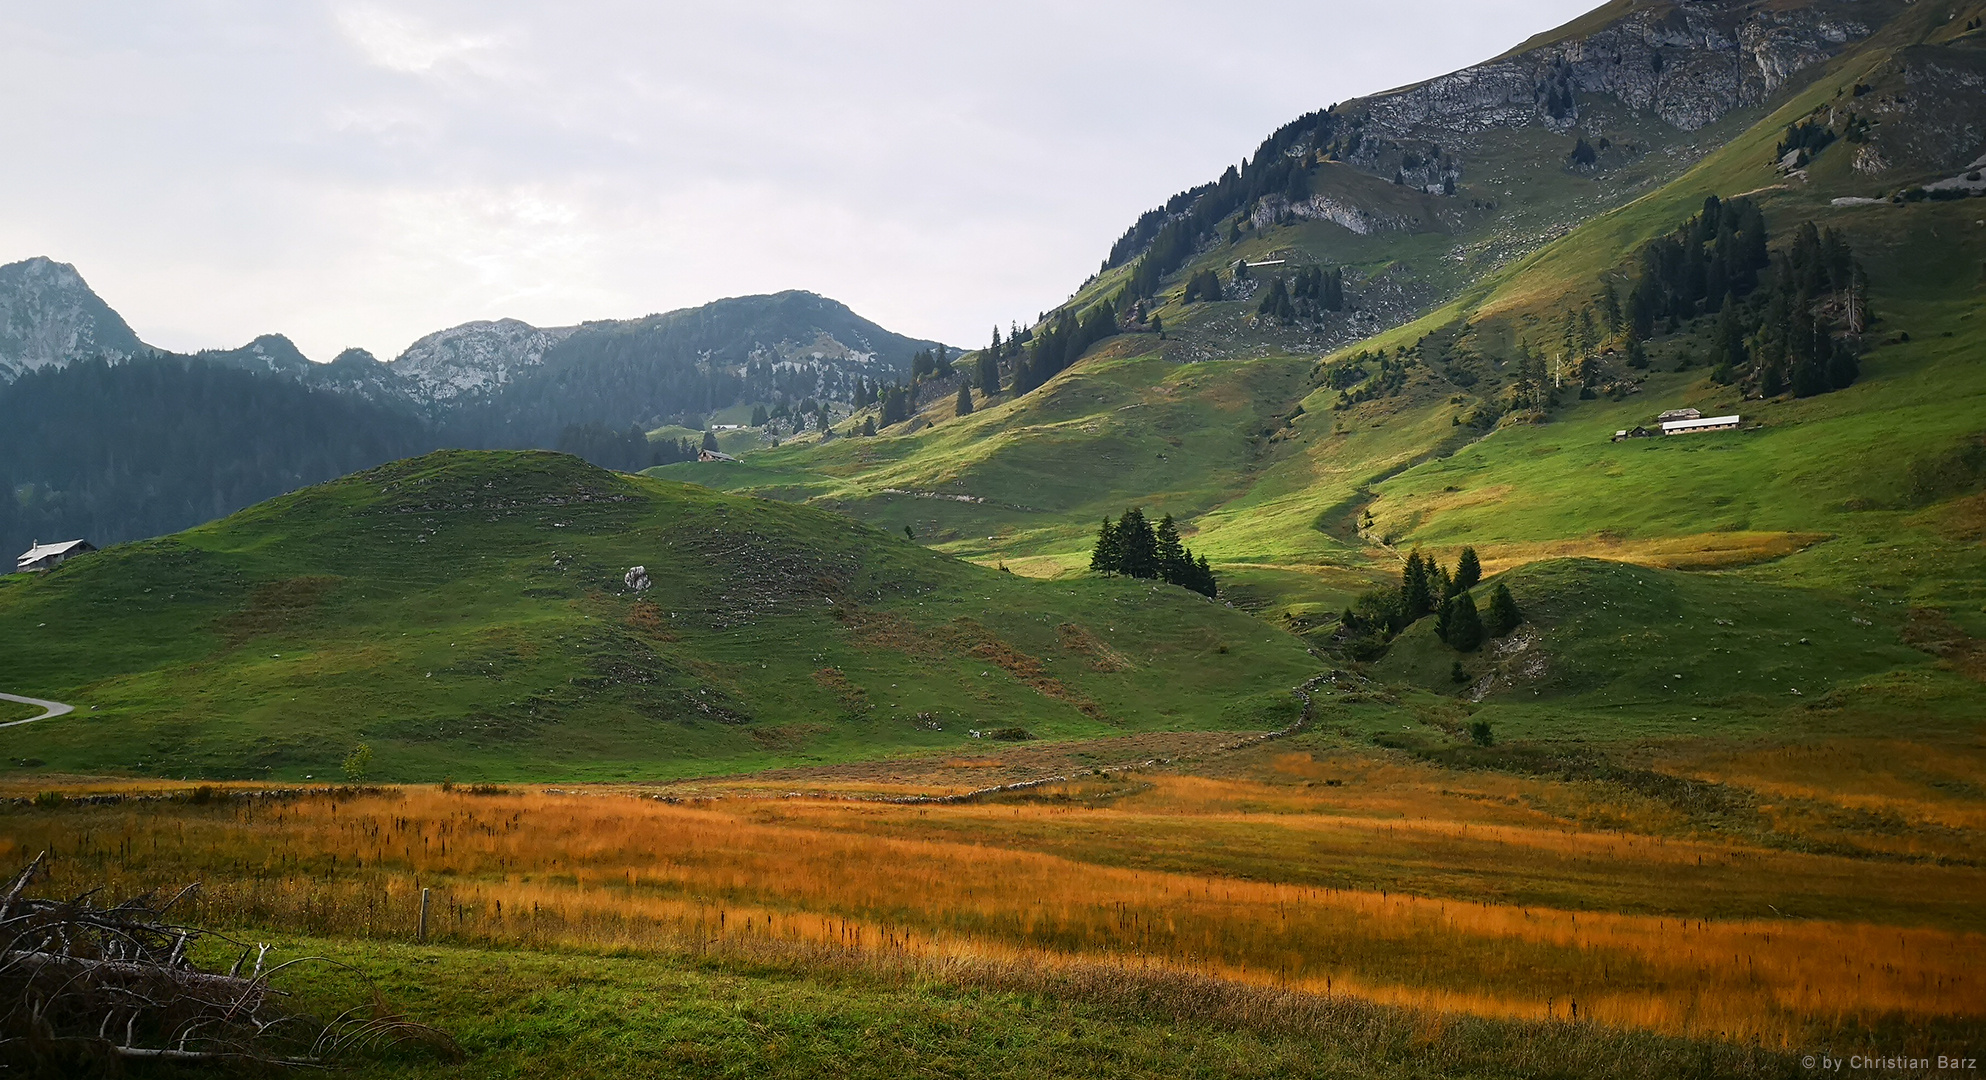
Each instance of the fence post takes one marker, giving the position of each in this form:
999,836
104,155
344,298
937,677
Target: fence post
421,934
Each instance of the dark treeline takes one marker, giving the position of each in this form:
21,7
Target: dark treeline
1061,343
626,450
1133,547
1786,321
1715,254
1805,336
109,452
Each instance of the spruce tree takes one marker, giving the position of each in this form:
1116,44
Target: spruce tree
1172,561
1140,546
1468,570
869,426
1416,591
963,406
989,373
1107,556
1204,579
1503,614
709,440
1464,624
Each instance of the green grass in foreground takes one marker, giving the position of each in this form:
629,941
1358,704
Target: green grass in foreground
552,1014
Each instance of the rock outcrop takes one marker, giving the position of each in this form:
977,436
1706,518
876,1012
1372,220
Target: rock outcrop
474,359
1688,63
49,316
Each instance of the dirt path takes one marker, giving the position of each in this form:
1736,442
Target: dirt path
54,708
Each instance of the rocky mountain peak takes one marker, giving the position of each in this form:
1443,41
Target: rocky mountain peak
474,359
49,317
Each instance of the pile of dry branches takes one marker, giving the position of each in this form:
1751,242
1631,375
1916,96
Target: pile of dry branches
83,985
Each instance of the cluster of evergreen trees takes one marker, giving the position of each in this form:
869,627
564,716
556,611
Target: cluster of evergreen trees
1204,285
1313,291
1810,136
897,405
928,362
1133,547
1716,253
627,449
1803,337
1425,589
1786,321
1061,343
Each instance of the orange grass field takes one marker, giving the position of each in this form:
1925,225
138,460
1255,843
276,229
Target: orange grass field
1057,881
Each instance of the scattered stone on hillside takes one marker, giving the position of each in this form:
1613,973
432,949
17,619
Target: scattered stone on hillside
637,579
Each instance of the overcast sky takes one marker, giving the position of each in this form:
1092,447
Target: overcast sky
362,173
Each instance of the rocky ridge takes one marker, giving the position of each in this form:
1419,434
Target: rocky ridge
49,316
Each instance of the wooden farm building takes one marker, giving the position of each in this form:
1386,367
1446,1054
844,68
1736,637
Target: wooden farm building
49,556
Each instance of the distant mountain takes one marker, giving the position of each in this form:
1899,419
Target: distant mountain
104,437
511,384
49,316
506,382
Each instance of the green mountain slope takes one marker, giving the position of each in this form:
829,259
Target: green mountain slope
1277,441
467,614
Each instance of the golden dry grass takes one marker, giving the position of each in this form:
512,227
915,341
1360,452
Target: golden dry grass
1697,551
1914,782
975,883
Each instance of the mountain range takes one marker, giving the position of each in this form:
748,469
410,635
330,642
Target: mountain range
87,405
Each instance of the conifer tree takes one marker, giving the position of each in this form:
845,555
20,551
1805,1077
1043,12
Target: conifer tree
1468,570
1610,307
989,373
1139,545
963,406
1107,556
1464,624
869,426
1503,614
759,416
1204,579
1173,564
1417,594
709,440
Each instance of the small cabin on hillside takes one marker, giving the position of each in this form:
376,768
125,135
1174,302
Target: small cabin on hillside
49,556
1678,414
713,455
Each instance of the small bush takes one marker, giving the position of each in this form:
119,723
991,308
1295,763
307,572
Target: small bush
358,763
1010,734
1481,733
48,800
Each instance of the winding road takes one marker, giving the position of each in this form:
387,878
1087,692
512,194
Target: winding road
54,708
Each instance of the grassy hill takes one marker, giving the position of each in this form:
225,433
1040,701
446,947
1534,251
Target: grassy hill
465,615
